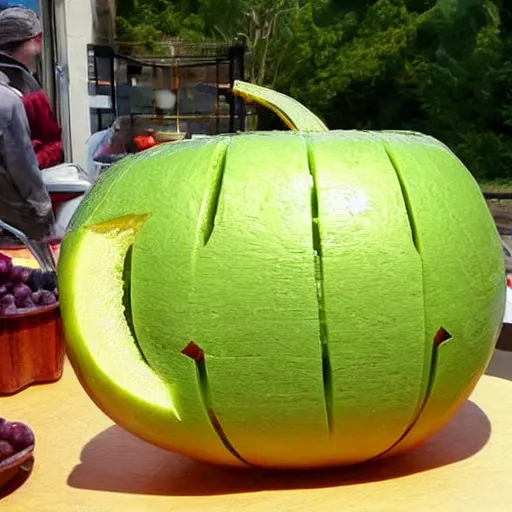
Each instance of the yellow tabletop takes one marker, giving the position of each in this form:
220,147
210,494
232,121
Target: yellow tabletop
84,463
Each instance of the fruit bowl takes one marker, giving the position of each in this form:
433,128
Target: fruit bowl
10,467
31,348
16,450
31,338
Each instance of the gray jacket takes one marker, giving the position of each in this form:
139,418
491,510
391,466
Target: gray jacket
24,200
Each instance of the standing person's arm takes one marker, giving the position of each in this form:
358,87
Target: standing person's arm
21,164
48,154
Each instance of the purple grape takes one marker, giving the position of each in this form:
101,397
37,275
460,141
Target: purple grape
42,279
7,300
19,435
21,294
36,296
6,450
2,421
47,298
5,266
28,303
8,310
19,274
3,289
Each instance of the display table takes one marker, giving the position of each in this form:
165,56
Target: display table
83,463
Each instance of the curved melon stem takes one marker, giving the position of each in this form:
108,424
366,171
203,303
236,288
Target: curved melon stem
295,115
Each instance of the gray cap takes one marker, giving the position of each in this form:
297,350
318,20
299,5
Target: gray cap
18,24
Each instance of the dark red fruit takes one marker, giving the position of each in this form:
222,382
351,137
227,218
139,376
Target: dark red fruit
8,310
36,296
6,450
19,274
19,435
5,266
21,293
7,300
47,298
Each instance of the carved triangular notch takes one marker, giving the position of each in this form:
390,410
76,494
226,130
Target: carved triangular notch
442,335
193,351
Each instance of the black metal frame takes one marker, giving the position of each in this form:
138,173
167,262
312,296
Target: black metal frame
233,55
96,52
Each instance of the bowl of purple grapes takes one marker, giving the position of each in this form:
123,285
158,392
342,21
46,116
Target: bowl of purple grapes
24,289
32,346
16,448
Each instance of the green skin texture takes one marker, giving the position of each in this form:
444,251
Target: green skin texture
223,254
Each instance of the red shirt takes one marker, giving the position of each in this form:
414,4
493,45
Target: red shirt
44,128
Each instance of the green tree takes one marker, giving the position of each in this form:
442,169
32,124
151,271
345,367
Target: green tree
264,25
438,66
148,22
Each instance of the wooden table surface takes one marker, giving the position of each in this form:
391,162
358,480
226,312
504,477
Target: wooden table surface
84,463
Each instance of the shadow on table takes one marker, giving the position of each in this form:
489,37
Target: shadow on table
18,479
116,461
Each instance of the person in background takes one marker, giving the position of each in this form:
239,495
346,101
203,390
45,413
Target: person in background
20,45
24,201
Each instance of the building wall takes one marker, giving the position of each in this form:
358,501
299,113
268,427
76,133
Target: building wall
79,33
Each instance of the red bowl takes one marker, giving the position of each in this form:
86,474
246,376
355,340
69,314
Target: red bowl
32,348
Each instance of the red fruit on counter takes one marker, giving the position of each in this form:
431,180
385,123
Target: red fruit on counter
6,450
17,434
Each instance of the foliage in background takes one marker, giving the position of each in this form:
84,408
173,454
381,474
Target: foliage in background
443,67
